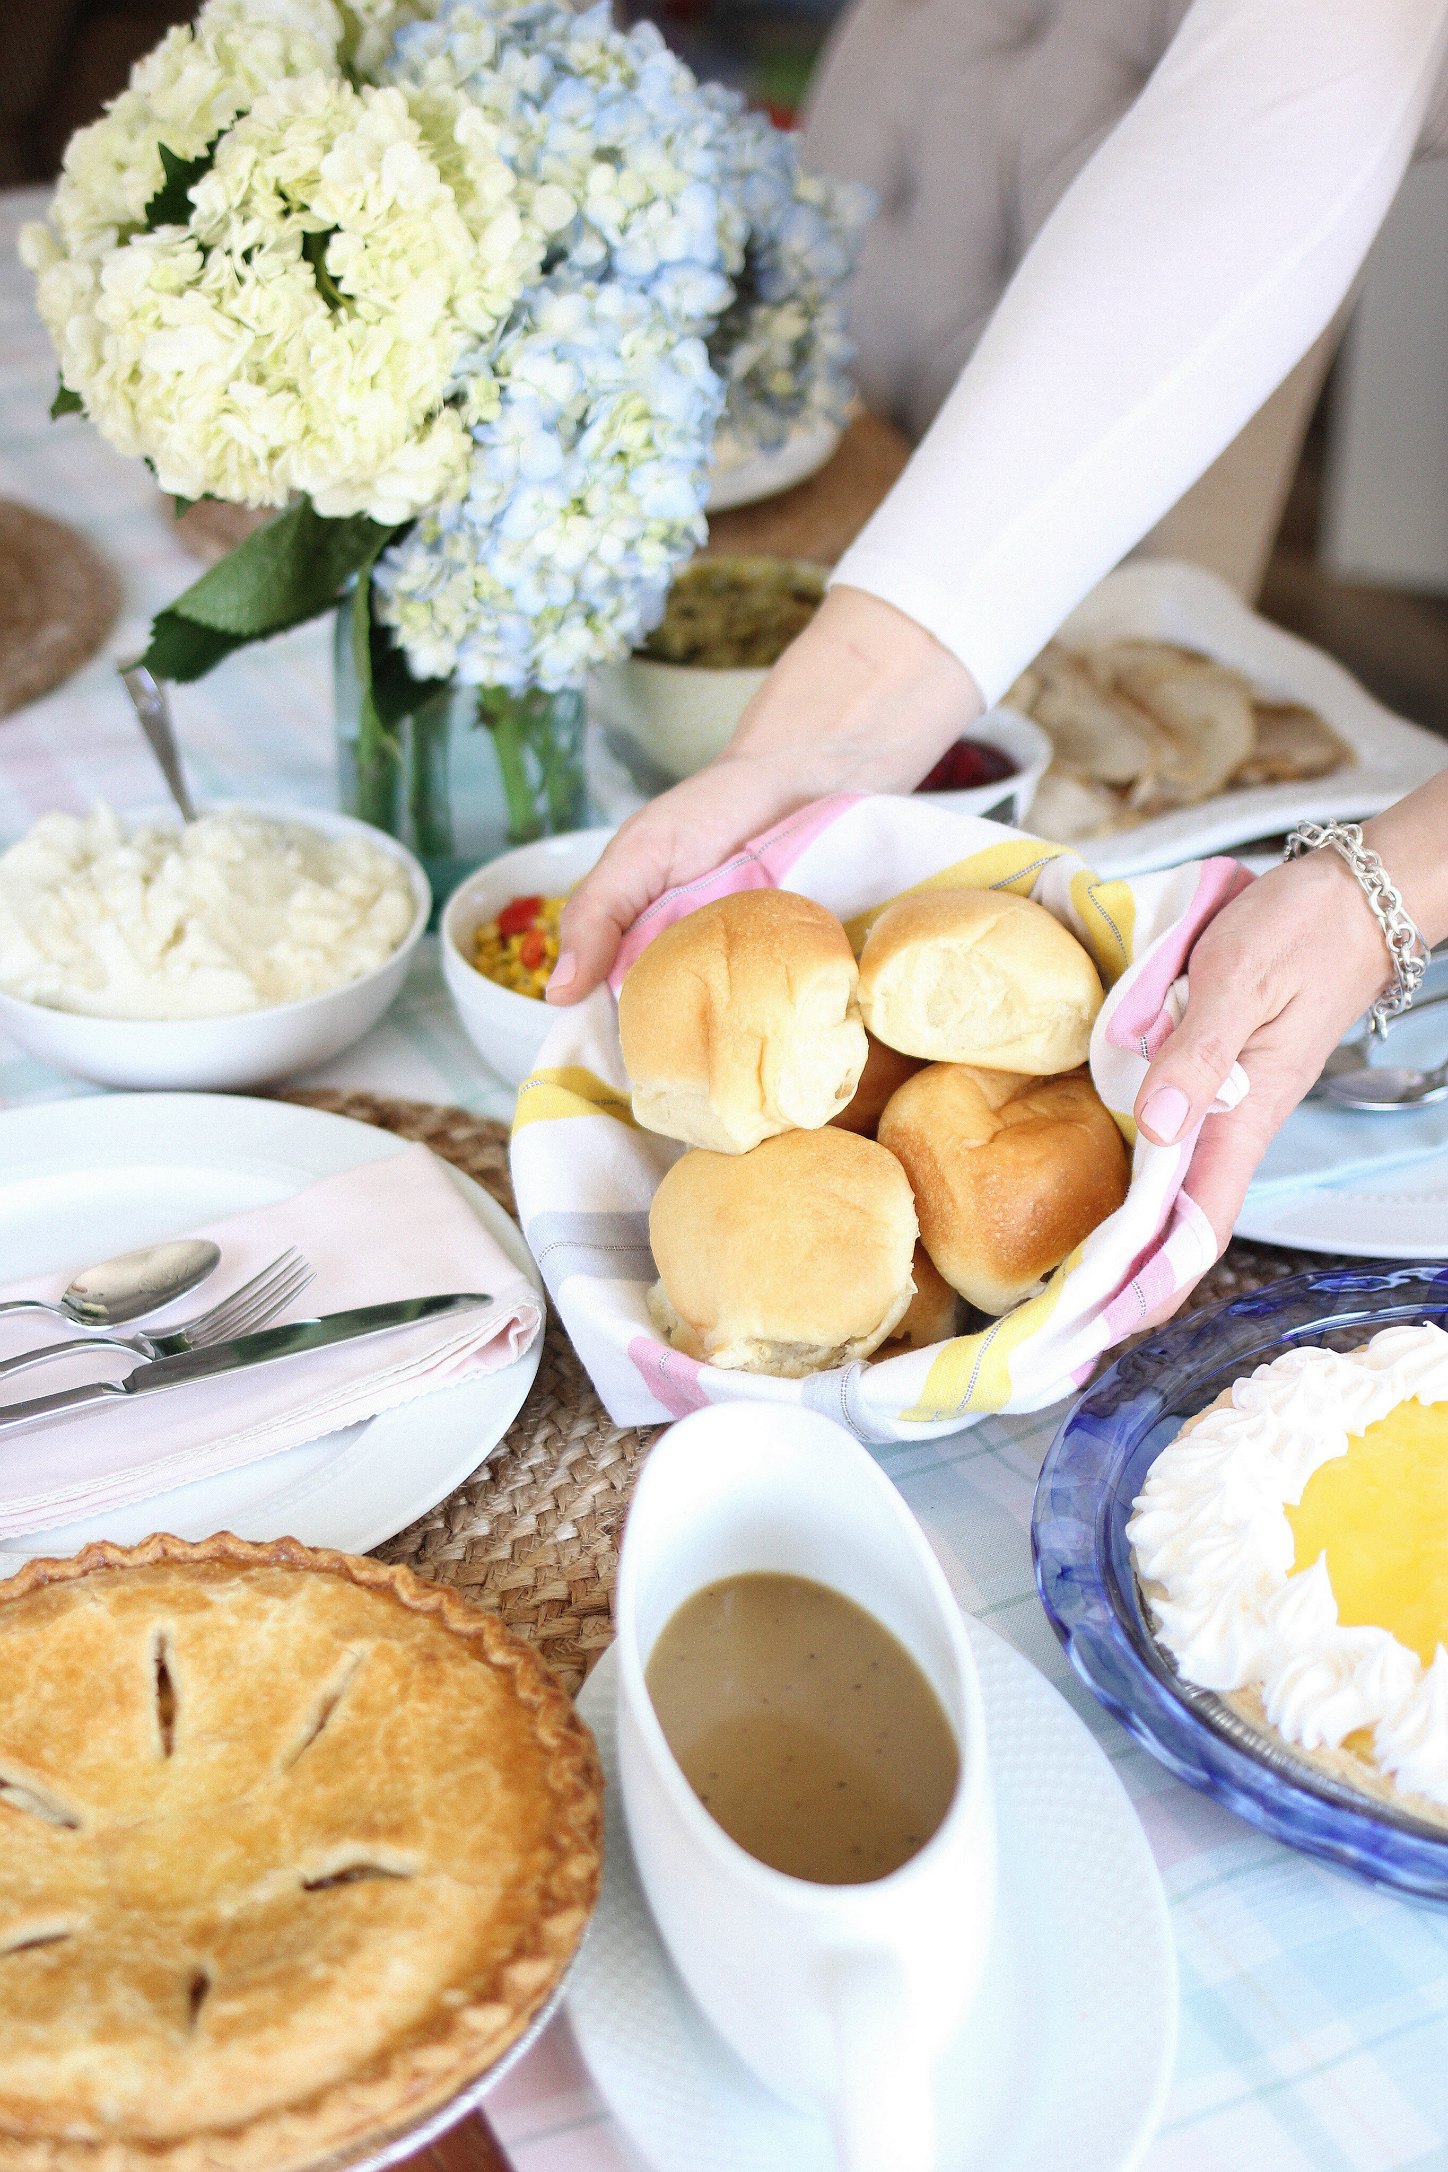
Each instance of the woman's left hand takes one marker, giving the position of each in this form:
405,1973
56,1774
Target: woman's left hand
1274,982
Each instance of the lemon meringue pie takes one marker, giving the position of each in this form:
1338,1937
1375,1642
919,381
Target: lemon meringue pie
1292,1545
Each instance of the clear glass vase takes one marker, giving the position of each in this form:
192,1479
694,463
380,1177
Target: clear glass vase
472,770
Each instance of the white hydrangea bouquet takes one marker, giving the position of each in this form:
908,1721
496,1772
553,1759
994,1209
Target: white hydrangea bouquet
466,289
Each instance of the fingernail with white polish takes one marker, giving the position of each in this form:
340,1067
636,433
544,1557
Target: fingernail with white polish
1165,1114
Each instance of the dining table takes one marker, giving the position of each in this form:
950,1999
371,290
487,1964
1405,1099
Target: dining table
1313,2030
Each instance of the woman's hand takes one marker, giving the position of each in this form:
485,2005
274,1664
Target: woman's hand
1274,982
864,700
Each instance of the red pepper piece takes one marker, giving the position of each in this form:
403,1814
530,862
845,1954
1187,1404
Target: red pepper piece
518,916
533,949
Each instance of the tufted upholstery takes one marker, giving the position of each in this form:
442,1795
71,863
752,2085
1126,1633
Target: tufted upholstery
971,118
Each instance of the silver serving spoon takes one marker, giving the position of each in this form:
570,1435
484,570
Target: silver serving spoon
148,699
129,1286
1383,1087
1348,1067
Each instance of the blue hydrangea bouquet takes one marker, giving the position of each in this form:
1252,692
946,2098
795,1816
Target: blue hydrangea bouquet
468,290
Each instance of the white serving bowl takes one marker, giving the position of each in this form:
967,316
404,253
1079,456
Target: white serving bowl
248,1048
664,721
505,1028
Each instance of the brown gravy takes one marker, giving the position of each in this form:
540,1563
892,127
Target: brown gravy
804,1727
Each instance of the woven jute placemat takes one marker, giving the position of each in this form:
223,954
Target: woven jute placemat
534,1535
58,601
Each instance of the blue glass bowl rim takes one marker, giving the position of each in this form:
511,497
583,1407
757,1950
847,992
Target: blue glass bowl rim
1082,1500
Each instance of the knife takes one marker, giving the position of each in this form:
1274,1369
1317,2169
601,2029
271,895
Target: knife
263,1348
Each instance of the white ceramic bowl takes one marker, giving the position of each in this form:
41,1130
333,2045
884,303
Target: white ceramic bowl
505,1028
664,721
249,1048
1009,800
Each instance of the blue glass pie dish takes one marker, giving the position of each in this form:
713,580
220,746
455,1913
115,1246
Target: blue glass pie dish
1092,1475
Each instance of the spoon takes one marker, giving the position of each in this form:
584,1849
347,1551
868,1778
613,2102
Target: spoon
127,1287
1348,1064
1386,1086
148,699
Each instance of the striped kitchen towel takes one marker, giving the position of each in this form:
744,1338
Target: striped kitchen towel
585,1172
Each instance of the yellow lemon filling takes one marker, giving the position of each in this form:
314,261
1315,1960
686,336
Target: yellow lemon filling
1380,1514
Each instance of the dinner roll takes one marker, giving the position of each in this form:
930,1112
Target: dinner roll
784,1260
885,1069
982,977
1005,1186
934,1313
741,1021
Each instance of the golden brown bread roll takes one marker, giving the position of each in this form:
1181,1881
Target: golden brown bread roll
934,1314
741,1021
785,1260
982,977
885,1069
1005,1187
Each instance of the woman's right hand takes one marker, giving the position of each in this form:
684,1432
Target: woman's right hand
865,700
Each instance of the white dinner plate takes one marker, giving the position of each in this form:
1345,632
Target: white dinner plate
753,476
1397,1210
81,1180
1400,1214
1066,2057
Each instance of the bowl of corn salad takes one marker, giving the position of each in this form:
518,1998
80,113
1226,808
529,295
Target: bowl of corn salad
518,947
500,944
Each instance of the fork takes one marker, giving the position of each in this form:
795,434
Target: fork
256,1302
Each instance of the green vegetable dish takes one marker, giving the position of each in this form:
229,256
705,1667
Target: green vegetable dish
736,614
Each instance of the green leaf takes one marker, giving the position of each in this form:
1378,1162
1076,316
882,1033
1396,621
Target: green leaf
171,204
294,567
314,249
395,692
65,402
282,574
181,650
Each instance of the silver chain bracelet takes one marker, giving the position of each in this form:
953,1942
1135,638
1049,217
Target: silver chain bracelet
1406,948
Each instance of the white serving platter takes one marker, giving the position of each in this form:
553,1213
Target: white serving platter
1166,600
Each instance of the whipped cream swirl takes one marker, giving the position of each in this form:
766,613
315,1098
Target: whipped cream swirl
1210,1530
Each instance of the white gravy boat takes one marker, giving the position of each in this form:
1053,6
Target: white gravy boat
839,1997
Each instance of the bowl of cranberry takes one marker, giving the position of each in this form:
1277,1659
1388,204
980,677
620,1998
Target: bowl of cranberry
993,771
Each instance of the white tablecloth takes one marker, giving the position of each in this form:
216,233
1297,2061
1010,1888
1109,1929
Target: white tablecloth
1314,2032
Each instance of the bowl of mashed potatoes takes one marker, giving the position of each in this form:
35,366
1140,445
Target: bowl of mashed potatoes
229,952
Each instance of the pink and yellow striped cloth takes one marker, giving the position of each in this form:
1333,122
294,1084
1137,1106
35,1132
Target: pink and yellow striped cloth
585,1173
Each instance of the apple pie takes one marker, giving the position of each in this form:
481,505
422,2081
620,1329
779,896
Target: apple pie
292,1847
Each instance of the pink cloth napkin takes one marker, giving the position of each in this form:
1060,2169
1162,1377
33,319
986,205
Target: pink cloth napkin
390,1229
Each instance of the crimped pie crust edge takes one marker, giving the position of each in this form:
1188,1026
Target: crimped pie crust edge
350,2118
